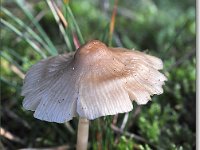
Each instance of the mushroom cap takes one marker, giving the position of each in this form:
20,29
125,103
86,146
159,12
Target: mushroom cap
94,81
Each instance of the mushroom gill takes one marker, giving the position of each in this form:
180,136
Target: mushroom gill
94,81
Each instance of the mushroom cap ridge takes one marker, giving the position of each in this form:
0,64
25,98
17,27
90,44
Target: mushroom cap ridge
95,81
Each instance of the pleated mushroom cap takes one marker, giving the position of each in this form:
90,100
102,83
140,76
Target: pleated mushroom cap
93,82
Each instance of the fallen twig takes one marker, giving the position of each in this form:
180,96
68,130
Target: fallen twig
124,121
15,117
69,127
133,116
8,135
131,135
63,147
122,127
134,136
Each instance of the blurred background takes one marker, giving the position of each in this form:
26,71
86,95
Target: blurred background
33,30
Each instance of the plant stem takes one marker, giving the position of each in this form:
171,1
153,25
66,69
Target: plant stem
82,136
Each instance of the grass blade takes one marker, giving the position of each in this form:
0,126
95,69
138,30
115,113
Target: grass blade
9,59
28,29
53,7
20,3
8,82
69,11
14,54
30,42
112,23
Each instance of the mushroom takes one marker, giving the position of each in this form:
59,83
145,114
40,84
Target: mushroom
94,81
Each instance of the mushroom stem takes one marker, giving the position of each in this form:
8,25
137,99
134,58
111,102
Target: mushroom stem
82,136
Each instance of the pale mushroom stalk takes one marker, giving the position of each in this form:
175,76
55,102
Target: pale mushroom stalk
82,136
